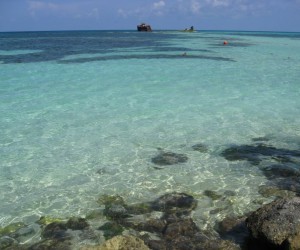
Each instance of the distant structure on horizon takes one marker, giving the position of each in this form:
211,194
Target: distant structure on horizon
144,27
191,29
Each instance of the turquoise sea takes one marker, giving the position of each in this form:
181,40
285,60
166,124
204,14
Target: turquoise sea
83,113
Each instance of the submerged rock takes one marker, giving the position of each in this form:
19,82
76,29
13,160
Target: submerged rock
256,153
200,148
272,190
229,193
55,230
153,225
277,171
95,214
111,229
11,228
120,243
77,223
115,207
190,237
51,244
6,242
183,227
175,202
212,194
234,229
140,208
182,233
115,212
111,199
289,184
156,244
169,158
277,224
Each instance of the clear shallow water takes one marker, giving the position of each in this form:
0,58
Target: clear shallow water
83,113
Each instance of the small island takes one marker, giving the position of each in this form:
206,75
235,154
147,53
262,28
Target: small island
191,29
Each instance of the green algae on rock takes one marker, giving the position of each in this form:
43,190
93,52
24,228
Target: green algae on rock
11,228
45,220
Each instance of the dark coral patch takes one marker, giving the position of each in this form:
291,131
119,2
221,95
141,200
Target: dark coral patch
277,171
200,148
169,158
256,153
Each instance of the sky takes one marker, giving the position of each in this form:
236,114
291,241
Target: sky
248,15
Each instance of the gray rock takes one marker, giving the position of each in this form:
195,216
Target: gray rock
116,211
277,223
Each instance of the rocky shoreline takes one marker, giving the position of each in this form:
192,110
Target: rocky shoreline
167,222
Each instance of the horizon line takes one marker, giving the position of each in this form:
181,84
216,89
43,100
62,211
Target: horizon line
158,30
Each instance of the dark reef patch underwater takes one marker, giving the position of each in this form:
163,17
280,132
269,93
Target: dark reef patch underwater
56,46
280,166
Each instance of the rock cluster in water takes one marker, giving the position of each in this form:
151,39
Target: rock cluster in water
171,158
164,223
167,222
280,166
255,154
276,225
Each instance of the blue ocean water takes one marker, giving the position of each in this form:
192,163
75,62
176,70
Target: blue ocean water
84,112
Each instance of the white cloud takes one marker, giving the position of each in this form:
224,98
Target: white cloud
158,8
218,3
188,7
159,5
131,12
36,6
238,7
195,6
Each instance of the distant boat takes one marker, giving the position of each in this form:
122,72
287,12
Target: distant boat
144,27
